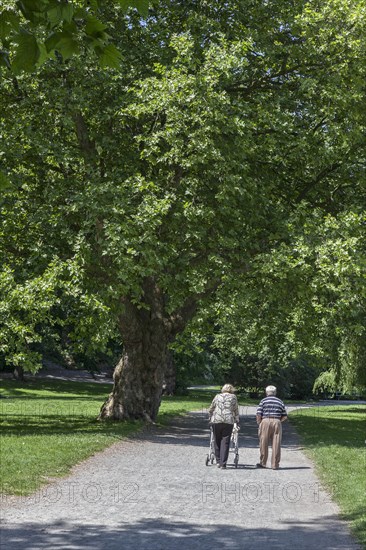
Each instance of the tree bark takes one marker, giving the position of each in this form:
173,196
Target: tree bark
138,377
146,331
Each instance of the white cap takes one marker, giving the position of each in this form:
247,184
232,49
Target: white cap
271,389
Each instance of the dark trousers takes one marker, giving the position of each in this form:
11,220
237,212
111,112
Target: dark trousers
222,433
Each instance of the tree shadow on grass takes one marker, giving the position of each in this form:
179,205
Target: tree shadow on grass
351,410
63,424
159,534
15,388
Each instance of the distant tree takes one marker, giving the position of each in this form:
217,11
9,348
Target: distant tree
251,374
326,384
307,298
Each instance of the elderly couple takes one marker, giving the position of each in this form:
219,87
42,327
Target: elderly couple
224,413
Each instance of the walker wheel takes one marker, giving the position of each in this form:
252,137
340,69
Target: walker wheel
212,459
236,460
207,460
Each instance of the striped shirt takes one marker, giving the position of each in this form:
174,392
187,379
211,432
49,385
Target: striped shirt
271,407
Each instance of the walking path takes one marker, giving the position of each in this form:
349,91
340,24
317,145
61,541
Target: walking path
155,492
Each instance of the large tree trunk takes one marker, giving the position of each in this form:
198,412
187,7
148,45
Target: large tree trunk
138,377
138,381
146,332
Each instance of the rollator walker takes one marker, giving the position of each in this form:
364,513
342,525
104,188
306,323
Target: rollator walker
233,449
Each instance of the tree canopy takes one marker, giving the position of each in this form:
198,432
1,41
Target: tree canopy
222,162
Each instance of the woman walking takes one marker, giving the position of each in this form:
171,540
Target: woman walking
223,412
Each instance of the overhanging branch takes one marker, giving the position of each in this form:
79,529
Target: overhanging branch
179,318
313,183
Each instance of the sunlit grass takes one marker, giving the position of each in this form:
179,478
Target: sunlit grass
48,426
335,439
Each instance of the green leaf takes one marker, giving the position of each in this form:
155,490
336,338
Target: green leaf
26,54
8,21
63,42
55,15
43,54
67,47
94,27
33,10
53,40
60,13
110,57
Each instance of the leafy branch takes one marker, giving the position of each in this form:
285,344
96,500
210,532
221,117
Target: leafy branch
32,31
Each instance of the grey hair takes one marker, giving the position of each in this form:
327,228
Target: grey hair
227,388
271,390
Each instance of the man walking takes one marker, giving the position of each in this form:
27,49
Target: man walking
271,412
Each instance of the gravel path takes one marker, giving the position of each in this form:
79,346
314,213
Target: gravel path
154,492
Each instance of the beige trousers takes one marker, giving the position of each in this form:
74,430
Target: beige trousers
270,431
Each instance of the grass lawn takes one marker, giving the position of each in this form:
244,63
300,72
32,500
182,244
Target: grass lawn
335,439
48,426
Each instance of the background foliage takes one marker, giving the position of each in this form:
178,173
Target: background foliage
214,146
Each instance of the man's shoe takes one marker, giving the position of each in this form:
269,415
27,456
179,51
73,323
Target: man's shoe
223,466
260,465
